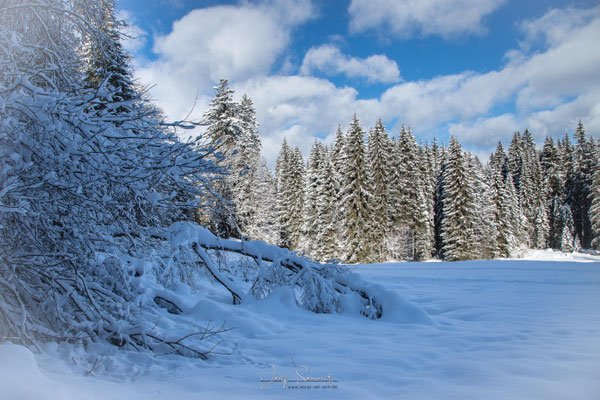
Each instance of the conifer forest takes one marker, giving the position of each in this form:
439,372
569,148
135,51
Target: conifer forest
372,197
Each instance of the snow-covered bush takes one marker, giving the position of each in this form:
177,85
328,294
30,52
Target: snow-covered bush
83,172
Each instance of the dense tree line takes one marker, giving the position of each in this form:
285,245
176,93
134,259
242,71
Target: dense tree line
371,198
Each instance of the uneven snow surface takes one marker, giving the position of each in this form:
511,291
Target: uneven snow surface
506,329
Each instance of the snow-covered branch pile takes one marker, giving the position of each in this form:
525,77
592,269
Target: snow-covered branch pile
321,288
86,174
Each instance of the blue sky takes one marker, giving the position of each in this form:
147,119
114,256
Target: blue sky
476,69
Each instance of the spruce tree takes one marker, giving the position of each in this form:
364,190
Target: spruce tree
569,242
554,181
310,225
533,194
505,238
337,153
526,171
290,196
282,183
499,162
551,166
515,160
337,157
578,186
406,194
224,128
459,202
247,172
327,211
264,224
424,225
438,201
105,61
485,226
517,218
355,197
378,158
393,238
295,195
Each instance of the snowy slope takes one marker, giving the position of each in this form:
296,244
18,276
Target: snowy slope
518,329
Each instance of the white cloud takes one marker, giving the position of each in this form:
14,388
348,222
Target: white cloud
553,89
233,42
554,26
479,132
544,89
135,37
405,18
330,60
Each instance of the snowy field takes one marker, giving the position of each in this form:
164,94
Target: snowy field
505,329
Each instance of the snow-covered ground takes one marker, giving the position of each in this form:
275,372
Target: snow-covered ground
505,329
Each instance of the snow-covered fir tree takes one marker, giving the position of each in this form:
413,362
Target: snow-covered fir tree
424,226
310,227
459,205
290,195
223,130
485,228
249,178
355,197
526,170
405,194
516,159
438,202
554,181
579,183
378,158
337,157
263,223
569,242
327,240
505,239
282,182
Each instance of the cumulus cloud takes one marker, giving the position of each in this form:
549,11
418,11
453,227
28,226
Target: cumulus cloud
330,60
233,42
552,89
554,26
405,18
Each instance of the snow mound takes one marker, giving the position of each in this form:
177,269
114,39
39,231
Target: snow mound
398,309
20,377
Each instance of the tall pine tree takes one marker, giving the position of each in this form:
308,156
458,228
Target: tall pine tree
355,197
459,202
378,158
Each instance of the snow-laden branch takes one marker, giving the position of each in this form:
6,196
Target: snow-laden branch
325,288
